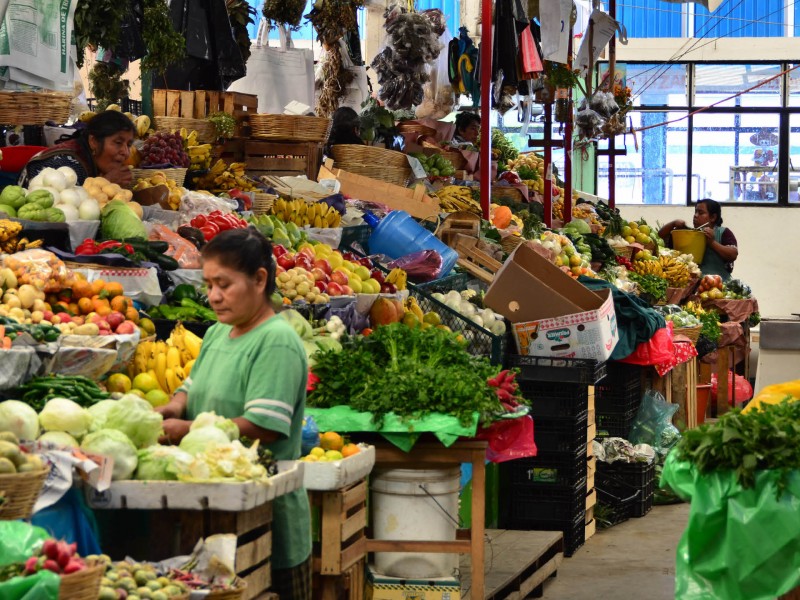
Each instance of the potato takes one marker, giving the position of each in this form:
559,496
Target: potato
16,313
27,295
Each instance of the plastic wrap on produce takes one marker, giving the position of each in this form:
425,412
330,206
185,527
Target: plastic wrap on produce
17,366
140,285
92,356
193,277
328,235
81,230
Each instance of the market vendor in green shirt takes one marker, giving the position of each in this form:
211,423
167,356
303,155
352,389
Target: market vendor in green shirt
252,368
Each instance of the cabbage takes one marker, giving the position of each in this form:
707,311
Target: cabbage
99,413
210,419
298,323
118,221
59,438
115,445
136,418
61,414
231,462
201,439
162,463
326,342
20,419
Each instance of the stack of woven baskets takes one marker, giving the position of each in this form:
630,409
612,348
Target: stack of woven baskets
376,163
290,128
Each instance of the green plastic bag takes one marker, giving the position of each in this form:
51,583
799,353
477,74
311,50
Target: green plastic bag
44,585
739,544
18,541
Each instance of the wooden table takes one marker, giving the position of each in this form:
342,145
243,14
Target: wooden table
428,455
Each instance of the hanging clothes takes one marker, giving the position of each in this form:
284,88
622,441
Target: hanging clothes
463,65
510,21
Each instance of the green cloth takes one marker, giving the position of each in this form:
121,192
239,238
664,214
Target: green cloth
712,262
637,322
262,376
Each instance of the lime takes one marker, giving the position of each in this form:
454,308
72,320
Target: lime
156,398
119,382
145,382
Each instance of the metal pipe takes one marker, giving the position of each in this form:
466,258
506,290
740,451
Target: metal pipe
485,167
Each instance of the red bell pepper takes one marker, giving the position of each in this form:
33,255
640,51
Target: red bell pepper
108,245
87,247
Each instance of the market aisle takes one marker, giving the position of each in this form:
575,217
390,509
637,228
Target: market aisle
633,560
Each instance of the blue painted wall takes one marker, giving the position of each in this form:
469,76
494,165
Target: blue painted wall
766,14
650,18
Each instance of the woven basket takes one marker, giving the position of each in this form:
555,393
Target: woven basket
34,108
176,175
510,243
624,251
507,193
368,155
396,175
693,333
263,203
290,128
458,160
83,585
418,128
206,132
20,491
232,594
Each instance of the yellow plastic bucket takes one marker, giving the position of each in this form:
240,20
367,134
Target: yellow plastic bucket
688,241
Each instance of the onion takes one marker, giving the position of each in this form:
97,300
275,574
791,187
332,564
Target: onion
81,191
54,179
89,210
36,183
71,197
70,212
70,176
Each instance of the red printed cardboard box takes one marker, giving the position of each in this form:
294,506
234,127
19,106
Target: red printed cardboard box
552,314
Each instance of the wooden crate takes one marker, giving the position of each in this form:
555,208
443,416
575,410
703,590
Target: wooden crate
200,104
158,534
343,519
350,585
591,469
230,151
282,158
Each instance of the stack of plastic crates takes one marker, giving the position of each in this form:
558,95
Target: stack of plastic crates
617,399
624,490
355,238
550,492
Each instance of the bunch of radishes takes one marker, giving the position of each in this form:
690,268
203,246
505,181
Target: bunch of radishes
58,557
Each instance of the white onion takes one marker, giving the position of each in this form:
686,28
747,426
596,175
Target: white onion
70,175
89,210
36,183
72,197
84,195
70,212
54,179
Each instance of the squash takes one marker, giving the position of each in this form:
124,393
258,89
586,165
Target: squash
501,217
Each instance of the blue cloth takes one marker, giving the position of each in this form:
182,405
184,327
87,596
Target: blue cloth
71,520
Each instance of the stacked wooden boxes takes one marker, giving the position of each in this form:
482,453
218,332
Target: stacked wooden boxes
282,158
201,104
553,491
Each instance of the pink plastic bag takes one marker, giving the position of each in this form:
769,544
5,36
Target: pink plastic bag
657,350
421,266
742,387
509,439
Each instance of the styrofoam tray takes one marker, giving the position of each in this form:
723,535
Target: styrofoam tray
322,476
176,495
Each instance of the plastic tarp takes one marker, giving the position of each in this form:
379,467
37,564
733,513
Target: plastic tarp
739,544
18,541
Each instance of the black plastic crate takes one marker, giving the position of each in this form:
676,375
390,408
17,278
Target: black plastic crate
574,536
479,341
453,281
535,503
627,478
561,435
614,404
614,425
620,379
561,370
546,471
554,399
355,234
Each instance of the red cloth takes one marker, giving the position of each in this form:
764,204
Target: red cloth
684,352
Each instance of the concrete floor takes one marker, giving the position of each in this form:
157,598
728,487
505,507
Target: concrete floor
633,560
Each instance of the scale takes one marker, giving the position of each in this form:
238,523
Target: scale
778,351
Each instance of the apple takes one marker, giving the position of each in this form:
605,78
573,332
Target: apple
126,328
324,264
77,320
114,319
103,324
48,315
334,289
377,275
340,277
104,332
308,251
279,269
365,262
388,288
347,290
304,261
286,260
320,275
322,286
65,318
347,255
278,251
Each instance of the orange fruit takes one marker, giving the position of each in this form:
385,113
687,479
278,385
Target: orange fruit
82,289
101,307
120,303
73,309
132,314
114,289
98,285
85,306
350,450
330,440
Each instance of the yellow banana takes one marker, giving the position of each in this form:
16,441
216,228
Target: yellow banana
173,358
173,383
161,370
193,343
187,368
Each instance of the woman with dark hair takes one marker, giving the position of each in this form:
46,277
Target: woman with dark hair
252,369
345,128
99,150
468,128
721,245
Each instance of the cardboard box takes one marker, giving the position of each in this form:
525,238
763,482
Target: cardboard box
380,587
552,314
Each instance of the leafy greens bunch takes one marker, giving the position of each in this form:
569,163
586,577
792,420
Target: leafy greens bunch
410,372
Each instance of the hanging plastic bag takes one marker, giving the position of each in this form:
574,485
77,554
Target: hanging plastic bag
531,60
744,391
657,350
509,439
310,436
425,265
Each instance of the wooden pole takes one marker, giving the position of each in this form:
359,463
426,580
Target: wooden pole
548,161
485,166
568,147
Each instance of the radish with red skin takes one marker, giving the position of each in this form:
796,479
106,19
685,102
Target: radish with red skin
73,566
50,549
52,565
32,564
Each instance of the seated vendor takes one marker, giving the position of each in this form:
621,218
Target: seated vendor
468,128
345,128
101,149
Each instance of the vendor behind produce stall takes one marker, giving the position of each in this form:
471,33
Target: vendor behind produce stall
468,128
99,150
721,245
252,368
345,128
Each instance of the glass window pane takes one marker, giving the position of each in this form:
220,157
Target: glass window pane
656,172
736,157
716,82
653,84
794,87
794,160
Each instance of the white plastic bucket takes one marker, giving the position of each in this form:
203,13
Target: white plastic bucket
419,505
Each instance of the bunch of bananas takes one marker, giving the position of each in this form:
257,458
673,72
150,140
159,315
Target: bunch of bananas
675,272
453,198
399,278
142,124
170,362
223,177
648,267
200,157
10,242
9,230
411,306
301,213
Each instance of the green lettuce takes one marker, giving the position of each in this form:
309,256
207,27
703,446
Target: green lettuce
115,445
118,221
162,463
211,419
136,419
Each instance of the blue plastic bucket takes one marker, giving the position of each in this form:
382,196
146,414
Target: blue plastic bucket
398,234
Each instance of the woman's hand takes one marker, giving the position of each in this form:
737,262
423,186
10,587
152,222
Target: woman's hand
175,408
709,233
174,431
121,175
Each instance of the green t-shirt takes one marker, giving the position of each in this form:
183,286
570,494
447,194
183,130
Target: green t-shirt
261,376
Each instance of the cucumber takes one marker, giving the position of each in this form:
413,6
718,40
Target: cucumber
166,262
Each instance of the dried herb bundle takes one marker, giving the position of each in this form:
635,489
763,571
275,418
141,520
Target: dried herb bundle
333,81
333,18
284,12
107,85
241,14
